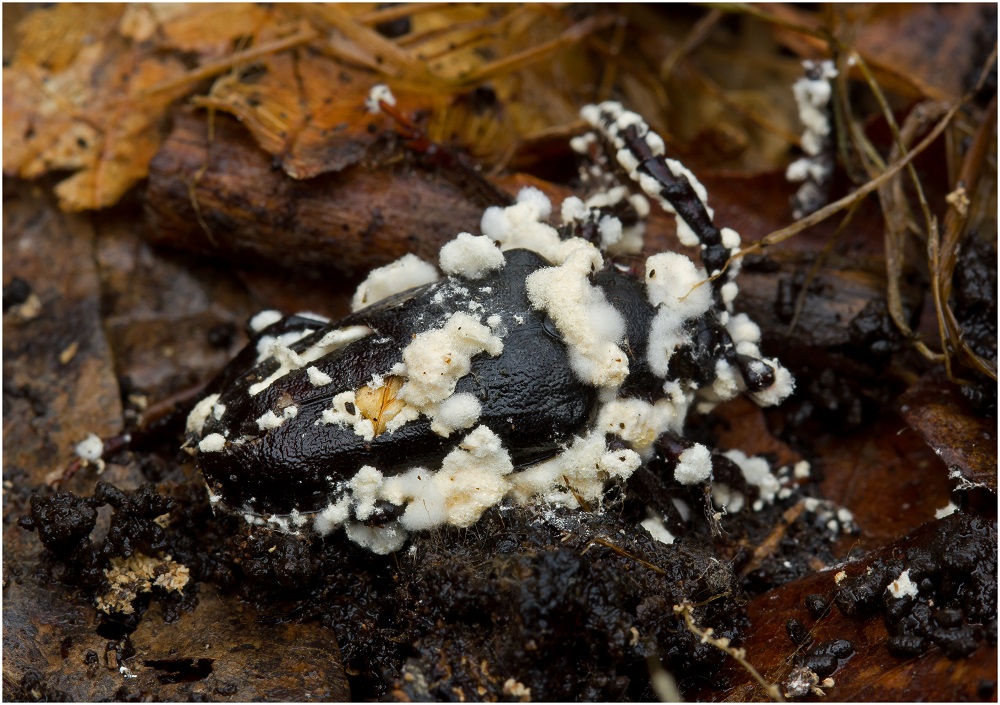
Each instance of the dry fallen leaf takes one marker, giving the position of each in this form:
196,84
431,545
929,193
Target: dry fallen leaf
87,108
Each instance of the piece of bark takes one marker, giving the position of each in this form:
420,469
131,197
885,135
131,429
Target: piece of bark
344,223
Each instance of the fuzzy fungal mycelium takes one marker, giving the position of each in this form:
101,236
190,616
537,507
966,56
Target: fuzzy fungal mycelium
524,367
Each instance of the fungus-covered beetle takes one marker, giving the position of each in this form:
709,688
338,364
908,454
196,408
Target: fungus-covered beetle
535,370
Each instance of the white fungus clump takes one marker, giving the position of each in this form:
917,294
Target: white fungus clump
457,412
813,93
694,465
407,272
270,420
263,319
437,359
90,448
657,530
946,510
289,360
757,472
591,327
903,587
317,377
379,93
199,414
212,443
470,256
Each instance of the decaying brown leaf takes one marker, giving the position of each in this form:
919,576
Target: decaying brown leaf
74,100
964,440
88,90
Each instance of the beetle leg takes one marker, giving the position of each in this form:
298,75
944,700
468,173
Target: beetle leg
639,152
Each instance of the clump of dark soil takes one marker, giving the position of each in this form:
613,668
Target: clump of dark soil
564,603
954,573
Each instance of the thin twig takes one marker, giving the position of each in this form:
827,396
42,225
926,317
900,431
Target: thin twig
622,552
800,300
722,643
770,543
695,38
395,12
779,236
520,59
954,229
303,36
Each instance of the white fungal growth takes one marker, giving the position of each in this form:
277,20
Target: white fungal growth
365,486
679,291
730,238
381,540
757,472
903,587
199,414
726,498
472,478
729,291
945,511
317,377
268,344
435,360
407,272
694,465
783,386
90,448
263,319
573,210
639,423
654,525
611,231
812,95
344,411
270,420
379,93
521,226
726,385
331,518
580,471
591,327
319,318
478,472
457,412
212,443
289,360
673,281
665,335
470,256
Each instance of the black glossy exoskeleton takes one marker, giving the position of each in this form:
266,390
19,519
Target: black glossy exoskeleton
528,394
